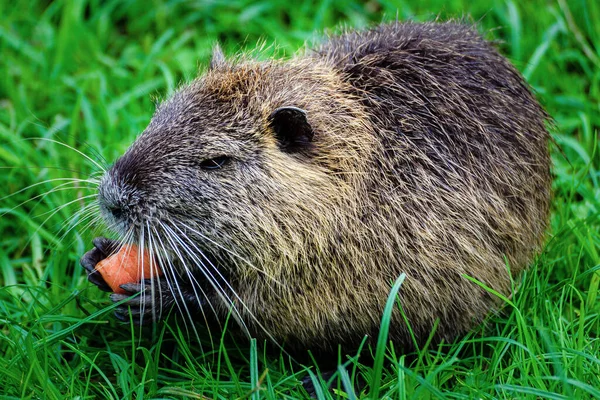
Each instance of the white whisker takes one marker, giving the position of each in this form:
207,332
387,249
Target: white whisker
250,313
43,195
97,164
204,237
211,279
194,283
173,270
70,180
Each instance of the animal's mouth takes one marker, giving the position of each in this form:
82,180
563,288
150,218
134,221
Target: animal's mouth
193,265
184,253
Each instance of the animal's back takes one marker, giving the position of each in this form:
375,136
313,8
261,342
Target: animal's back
460,182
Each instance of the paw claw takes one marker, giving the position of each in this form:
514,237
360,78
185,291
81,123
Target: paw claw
123,317
90,259
117,297
133,287
137,304
97,280
103,247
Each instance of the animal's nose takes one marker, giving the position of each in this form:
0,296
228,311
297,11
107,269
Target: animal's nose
114,198
115,210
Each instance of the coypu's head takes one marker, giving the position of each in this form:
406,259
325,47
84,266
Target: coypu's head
243,166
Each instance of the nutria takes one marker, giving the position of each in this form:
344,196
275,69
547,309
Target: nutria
293,193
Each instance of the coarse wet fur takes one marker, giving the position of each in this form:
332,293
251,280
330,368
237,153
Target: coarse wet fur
298,191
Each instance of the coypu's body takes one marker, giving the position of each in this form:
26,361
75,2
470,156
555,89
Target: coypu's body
419,150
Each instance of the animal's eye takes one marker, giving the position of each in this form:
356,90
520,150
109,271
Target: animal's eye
214,163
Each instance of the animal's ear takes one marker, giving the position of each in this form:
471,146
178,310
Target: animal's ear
292,129
217,59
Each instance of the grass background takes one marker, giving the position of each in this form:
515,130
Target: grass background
85,74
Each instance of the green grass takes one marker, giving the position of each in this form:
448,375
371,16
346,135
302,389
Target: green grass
86,74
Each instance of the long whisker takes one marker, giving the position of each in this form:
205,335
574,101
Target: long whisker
204,237
194,283
250,313
88,211
142,254
72,148
141,246
43,195
94,220
40,226
211,279
175,281
243,304
93,182
63,206
55,168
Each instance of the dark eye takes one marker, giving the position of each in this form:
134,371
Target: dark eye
214,163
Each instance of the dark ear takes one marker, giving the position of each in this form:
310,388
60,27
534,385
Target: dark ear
292,129
217,59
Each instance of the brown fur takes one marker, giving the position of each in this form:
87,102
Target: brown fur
429,158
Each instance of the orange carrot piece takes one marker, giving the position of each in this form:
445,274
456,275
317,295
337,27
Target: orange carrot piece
128,265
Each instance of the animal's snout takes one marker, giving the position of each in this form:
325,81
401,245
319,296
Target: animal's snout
116,198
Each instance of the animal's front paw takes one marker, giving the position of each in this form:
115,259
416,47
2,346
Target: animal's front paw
103,248
145,302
